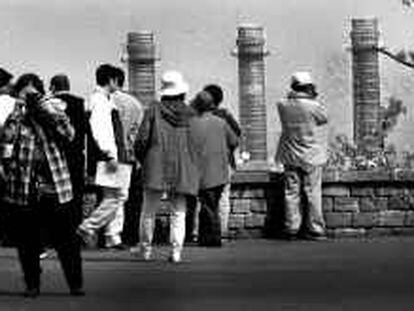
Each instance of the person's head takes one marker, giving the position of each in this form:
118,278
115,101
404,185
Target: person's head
216,92
203,102
120,77
106,76
5,81
59,83
28,83
302,82
173,86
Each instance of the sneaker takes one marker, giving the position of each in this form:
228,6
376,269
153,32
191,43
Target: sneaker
175,257
85,234
79,292
46,254
31,292
314,236
137,251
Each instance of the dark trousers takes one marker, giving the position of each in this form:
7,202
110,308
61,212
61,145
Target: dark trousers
209,217
60,222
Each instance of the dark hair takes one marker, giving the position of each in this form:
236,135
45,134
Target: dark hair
104,73
5,77
173,97
203,102
216,92
60,83
27,79
120,76
309,89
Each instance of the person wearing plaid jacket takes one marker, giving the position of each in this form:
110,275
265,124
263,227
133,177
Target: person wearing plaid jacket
38,186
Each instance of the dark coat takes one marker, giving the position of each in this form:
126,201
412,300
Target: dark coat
213,138
165,150
75,151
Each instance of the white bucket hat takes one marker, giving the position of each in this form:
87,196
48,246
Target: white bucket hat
302,77
172,84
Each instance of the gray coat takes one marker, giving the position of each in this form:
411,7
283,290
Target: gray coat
303,139
213,140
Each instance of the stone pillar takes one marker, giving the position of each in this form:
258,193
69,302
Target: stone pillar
252,106
366,83
141,65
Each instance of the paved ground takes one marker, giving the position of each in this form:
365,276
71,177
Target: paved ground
244,275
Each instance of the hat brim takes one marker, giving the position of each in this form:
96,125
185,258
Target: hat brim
182,88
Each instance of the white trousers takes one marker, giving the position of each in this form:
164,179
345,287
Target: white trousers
115,226
112,199
151,205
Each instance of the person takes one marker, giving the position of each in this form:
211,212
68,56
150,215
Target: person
169,163
224,205
7,102
109,153
302,152
7,105
214,139
131,114
38,187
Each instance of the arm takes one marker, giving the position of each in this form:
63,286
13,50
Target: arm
231,121
101,127
320,114
143,137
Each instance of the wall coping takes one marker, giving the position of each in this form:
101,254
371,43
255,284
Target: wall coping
329,176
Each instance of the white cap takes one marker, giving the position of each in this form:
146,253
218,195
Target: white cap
302,77
172,84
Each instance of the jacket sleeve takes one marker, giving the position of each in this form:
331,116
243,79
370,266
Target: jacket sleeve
320,114
102,129
231,138
144,134
54,121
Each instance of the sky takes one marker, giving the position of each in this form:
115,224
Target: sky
196,38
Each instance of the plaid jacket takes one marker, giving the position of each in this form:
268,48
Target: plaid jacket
51,128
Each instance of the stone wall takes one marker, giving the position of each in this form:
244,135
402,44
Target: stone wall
354,203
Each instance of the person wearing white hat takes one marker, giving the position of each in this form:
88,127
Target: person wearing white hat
302,151
168,159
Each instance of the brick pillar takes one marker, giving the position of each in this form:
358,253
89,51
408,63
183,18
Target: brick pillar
141,65
366,82
252,106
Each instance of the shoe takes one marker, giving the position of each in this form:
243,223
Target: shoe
117,247
31,292
138,251
175,257
46,254
313,236
85,234
77,292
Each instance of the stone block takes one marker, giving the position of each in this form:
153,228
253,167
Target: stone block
335,191
373,204
409,219
255,221
389,191
236,221
252,193
374,232
327,204
258,205
362,191
365,220
391,218
240,206
398,203
338,220
346,204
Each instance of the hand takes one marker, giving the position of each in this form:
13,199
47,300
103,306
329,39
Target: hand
112,166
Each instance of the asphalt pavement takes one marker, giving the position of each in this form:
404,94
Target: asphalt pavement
371,274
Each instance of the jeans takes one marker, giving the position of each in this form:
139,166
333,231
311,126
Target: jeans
303,200
151,205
